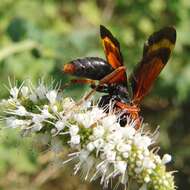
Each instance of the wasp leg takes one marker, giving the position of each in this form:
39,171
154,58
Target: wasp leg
117,76
79,81
100,88
130,108
83,81
132,111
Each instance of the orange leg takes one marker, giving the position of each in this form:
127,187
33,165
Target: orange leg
79,81
130,108
133,111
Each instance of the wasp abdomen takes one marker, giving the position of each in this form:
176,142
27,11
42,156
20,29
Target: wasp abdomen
90,67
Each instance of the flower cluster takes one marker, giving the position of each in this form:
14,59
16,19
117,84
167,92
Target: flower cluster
101,147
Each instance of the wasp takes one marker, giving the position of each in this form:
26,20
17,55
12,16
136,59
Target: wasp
126,92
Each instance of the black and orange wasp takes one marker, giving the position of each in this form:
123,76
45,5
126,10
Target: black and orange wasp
111,74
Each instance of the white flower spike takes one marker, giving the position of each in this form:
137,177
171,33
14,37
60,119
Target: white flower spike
105,150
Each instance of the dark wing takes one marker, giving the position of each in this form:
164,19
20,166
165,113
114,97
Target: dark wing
112,50
117,76
90,67
156,53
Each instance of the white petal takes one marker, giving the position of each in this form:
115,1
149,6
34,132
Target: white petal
128,132
37,127
33,97
98,131
41,91
51,96
121,166
75,139
14,92
60,125
122,147
166,158
21,111
109,121
111,155
73,129
147,179
24,91
90,146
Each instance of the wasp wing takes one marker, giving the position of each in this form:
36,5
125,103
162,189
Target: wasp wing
114,77
111,48
112,52
156,53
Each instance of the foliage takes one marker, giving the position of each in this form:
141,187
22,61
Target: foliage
38,37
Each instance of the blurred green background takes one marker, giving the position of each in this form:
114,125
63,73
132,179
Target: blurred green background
37,37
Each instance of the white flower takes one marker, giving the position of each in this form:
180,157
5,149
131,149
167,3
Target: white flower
75,139
166,158
86,119
73,129
98,143
123,147
14,92
110,155
37,118
12,122
146,152
98,131
90,147
33,97
96,112
108,147
54,108
87,104
146,141
128,131
121,166
45,112
24,91
37,126
67,103
147,179
79,117
125,154
103,148
138,170
109,121
21,111
51,96
60,124
115,137
158,159
114,128
41,91
142,141
148,163
89,117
